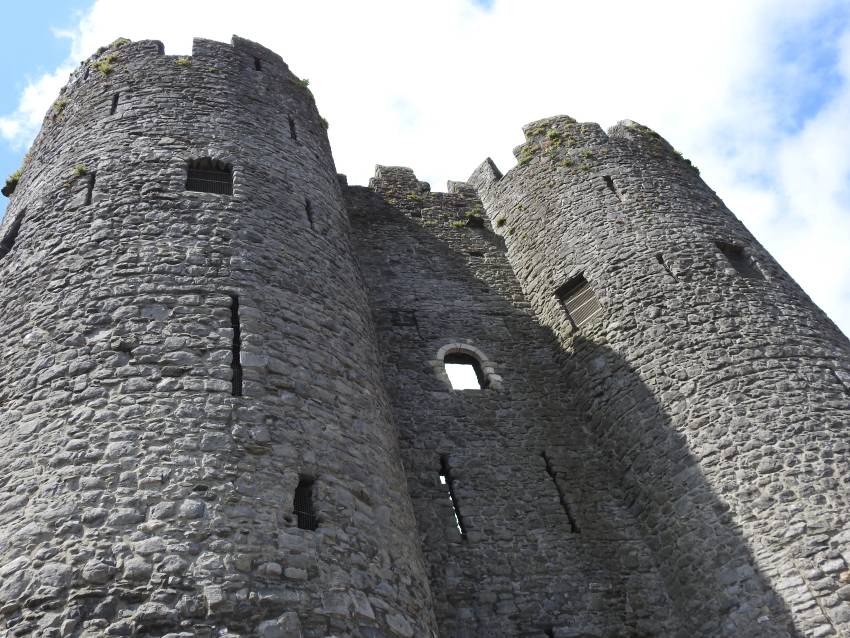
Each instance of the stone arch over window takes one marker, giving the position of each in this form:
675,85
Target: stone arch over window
207,175
464,353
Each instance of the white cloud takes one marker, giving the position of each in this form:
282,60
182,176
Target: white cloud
19,127
440,85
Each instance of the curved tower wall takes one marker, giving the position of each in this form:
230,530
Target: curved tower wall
139,495
719,396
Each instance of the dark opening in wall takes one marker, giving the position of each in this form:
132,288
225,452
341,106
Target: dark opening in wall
236,347
114,106
206,175
8,241
446,479
292,132
561,496
403,318
579,300
258,64
308,209
464,371
303,509
609,182
90,188
660,259
739,260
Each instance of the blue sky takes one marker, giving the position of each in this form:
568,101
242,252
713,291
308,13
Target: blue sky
755,93
29,49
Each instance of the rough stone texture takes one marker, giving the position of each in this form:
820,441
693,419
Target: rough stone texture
139,497
521,570
676,467
717,398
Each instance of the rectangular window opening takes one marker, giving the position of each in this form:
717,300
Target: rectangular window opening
308,209
740,260
258,64
90,188
579,301
8,241
114,104
292,132
207,176
446,479
236,347
303,509
561,496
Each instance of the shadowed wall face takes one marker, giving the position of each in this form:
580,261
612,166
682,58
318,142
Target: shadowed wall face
186,342
543,543
708,375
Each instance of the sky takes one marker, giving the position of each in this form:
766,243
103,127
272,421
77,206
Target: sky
756,93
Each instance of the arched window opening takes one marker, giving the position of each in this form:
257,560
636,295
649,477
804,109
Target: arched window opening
207,175
464,371
303,509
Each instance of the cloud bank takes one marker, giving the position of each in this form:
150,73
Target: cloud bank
755,93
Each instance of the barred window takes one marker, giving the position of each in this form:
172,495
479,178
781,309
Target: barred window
206,175
579,301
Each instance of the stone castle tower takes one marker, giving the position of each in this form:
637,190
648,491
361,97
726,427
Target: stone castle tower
225,406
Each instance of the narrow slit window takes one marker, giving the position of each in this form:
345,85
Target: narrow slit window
448,482
236,347
90,188
303,510
8,241
561,496
740,260
308,210
114,106
579,301
660,259
464,371
258,64
206,175
292,132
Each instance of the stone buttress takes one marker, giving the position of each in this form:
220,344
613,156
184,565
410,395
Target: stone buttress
176,363
717,388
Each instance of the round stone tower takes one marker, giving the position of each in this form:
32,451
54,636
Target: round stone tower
195,440
718,389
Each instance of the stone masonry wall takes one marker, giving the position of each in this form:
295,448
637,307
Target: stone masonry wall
718,396
438,275
138,496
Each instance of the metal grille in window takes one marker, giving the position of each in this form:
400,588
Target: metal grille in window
740,261
304,505
579,300
210,176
